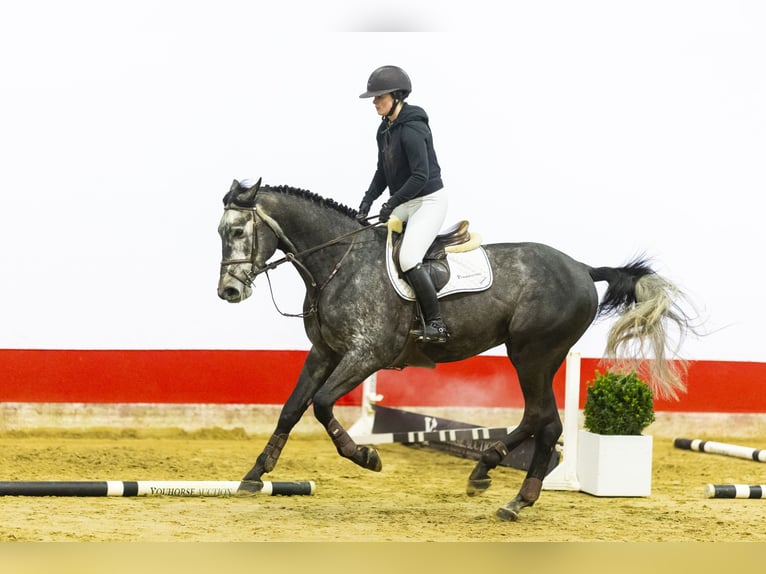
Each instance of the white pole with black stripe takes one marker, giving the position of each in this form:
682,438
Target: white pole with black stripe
183,488
709,446
735,491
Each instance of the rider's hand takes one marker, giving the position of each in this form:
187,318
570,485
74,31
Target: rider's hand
364,209
385,212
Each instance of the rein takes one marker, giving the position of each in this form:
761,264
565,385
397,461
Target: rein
292,258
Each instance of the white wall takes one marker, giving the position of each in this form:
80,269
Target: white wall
605,129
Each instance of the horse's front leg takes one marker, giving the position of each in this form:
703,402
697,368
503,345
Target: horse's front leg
349,374
365,456
267,460
313,374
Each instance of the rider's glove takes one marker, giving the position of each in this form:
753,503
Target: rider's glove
364,209
385,212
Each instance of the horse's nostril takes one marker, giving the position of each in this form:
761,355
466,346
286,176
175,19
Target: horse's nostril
230,294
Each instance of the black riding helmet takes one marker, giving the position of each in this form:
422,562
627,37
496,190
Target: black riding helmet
388,80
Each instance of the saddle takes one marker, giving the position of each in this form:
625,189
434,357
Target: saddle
458,241
453,239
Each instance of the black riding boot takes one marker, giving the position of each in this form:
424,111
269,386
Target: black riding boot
435,330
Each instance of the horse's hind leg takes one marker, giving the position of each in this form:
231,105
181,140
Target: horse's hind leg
545,441
313,374
541,420
480,480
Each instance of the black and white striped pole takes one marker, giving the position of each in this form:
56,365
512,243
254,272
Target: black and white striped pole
709,446
735,491
182,488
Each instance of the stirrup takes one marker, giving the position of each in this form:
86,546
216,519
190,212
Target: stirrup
434,332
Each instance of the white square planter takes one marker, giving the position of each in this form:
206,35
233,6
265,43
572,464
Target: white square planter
614,465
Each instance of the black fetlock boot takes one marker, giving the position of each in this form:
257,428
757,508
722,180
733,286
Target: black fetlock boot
435,330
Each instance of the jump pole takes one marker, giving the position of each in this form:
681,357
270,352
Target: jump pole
411,437
177,488
564,476
361,431
749,453
735,491
370,396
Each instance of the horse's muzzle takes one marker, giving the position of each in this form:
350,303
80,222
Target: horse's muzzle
234,293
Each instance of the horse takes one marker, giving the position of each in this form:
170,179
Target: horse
540,303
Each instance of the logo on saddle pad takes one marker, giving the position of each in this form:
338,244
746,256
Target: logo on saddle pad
456,261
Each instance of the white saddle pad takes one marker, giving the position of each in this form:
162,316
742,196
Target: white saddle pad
469,272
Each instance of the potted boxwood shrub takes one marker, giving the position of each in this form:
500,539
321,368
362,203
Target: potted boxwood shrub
613,457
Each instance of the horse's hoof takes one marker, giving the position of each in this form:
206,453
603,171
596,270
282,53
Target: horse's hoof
252,476
249,488
373,461
508,513
368,458
477,486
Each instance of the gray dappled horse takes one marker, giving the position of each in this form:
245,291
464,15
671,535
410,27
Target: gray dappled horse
539,305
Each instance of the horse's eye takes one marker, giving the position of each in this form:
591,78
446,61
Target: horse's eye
237,233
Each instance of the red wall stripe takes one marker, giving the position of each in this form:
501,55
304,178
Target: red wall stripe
148,376
267,377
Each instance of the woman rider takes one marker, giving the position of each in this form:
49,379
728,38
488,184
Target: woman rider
407,165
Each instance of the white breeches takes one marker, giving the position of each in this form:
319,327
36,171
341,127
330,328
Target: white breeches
425,217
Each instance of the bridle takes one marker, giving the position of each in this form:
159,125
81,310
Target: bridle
251,260
290,256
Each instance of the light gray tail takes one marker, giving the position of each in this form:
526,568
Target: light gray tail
650,326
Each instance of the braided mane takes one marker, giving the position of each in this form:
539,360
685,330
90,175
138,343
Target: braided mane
312,197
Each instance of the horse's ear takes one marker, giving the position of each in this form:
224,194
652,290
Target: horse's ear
234,186
257,185
248,195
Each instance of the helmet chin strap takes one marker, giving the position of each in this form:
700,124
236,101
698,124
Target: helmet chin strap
394,105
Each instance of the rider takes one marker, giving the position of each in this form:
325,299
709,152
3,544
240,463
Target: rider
407,165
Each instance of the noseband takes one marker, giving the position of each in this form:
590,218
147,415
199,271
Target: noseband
254,270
